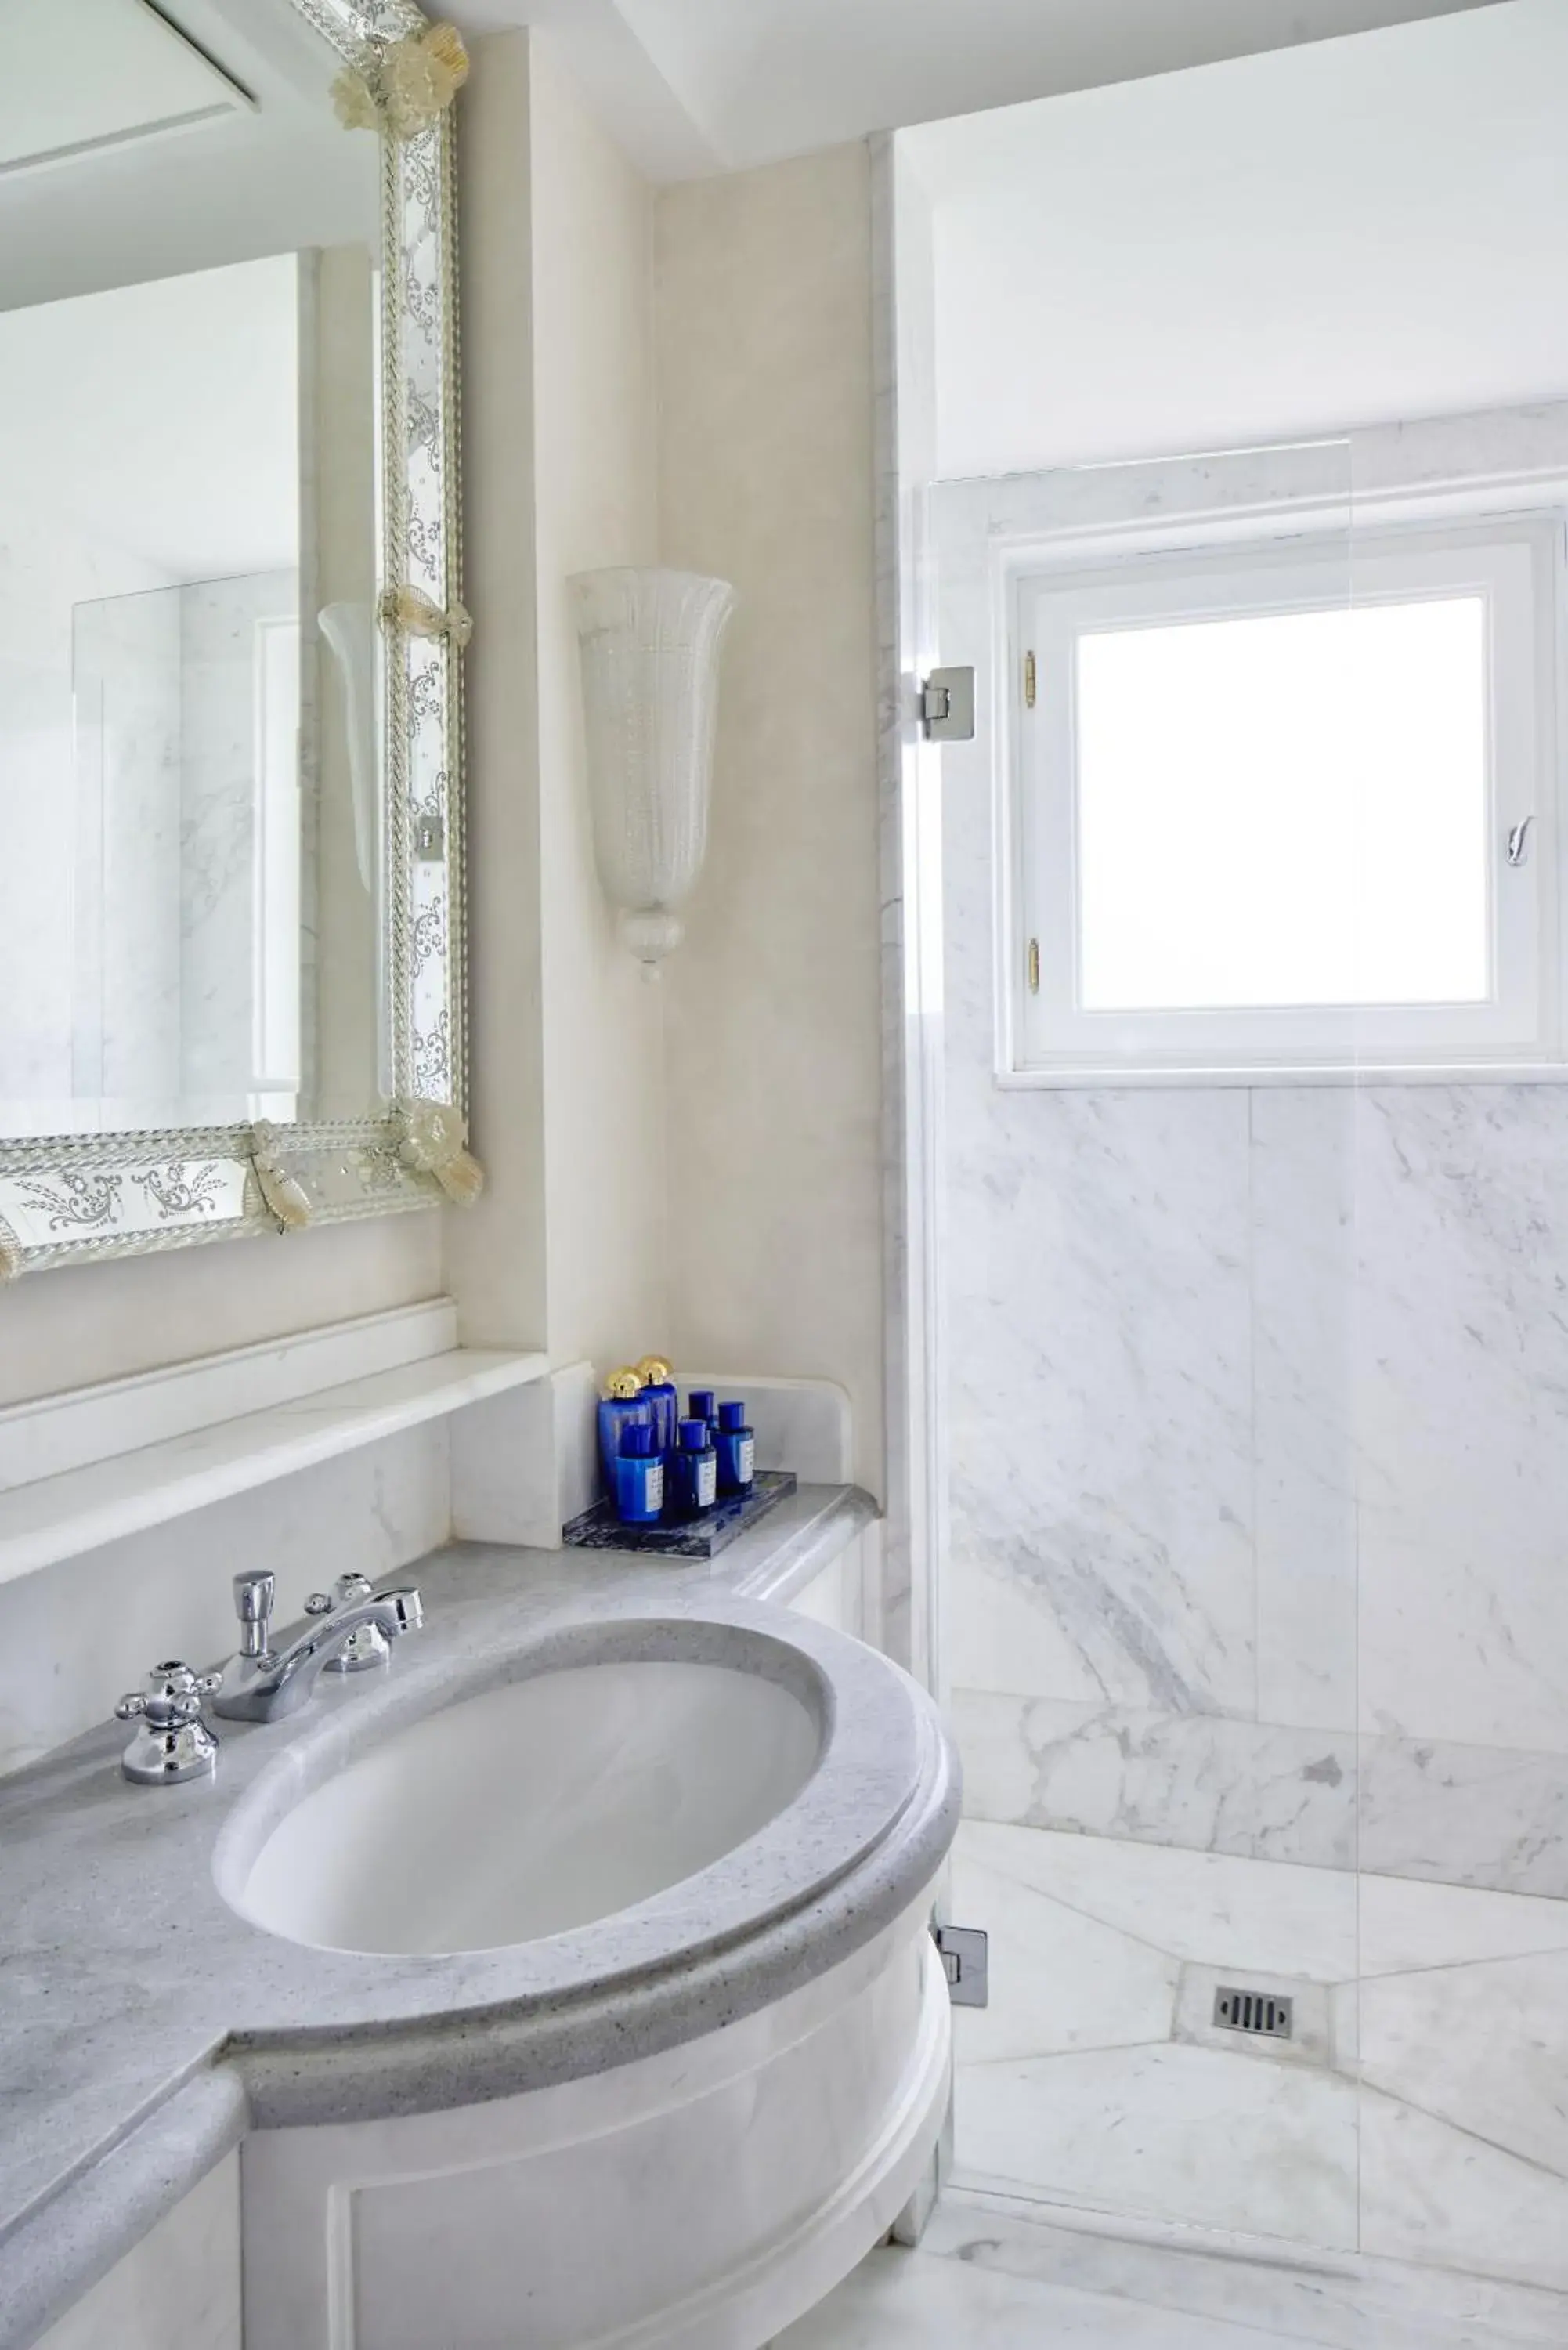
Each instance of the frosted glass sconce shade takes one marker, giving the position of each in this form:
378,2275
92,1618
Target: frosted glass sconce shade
650,645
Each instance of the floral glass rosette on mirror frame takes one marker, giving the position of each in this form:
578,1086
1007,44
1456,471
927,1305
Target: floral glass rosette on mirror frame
386,74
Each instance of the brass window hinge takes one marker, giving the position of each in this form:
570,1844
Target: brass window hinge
1033,966
1029,681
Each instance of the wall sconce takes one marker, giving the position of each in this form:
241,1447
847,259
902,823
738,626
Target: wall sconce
650,645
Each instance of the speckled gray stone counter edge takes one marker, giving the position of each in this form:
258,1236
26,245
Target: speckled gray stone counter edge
65,2244
77,2237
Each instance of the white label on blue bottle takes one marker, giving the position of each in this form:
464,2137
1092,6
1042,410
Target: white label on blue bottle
746,1460
655,1485
707,1483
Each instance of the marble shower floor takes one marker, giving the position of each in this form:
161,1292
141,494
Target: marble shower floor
1129,2180
1421,2117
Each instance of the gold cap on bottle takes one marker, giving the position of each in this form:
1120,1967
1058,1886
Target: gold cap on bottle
623,1384
654,1371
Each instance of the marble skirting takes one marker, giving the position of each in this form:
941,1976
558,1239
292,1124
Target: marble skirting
1493,1817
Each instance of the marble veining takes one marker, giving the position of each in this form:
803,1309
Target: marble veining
1490,1816
117,2008
1217,1785
1259,1394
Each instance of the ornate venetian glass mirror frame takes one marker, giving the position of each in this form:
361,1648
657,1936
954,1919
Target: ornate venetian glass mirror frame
68,1198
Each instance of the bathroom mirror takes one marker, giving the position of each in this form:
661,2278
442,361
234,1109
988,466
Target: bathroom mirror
230,913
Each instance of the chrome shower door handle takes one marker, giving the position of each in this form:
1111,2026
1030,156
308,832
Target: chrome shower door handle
1519,842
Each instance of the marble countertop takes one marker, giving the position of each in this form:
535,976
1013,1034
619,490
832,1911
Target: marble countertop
146,2026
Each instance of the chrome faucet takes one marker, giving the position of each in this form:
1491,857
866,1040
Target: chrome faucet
263,1684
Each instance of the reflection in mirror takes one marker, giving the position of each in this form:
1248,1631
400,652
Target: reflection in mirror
190,903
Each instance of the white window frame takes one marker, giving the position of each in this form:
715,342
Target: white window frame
1515,563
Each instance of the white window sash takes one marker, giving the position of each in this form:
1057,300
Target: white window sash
1514,567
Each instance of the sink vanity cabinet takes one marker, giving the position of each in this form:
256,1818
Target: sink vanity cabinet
569,1981
701,2197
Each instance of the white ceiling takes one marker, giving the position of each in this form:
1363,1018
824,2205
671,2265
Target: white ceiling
1281,246
695,86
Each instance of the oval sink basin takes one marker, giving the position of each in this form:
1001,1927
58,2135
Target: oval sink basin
534,1808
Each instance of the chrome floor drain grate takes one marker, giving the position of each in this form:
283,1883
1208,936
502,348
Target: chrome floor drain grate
1265,2013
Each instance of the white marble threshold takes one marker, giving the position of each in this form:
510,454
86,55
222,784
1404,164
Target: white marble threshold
994,2272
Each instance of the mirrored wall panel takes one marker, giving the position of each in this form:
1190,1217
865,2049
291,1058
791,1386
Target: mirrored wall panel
228,625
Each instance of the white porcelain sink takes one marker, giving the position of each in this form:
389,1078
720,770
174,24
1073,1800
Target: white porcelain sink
534,1808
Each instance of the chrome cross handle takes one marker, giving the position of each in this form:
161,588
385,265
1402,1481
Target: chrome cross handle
172,1742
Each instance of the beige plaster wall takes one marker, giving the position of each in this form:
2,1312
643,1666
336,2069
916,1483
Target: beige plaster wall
596,505
560,477
684,378
764,309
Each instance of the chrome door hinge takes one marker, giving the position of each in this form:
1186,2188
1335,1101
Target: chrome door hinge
1028,681
964,1951
947,706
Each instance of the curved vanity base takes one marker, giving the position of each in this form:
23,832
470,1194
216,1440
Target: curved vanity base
705,2196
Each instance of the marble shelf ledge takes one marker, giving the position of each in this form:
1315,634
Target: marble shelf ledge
61,1516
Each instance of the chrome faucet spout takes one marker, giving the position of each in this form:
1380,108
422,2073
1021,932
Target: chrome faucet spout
262,1684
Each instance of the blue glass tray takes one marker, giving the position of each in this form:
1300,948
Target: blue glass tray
703,1537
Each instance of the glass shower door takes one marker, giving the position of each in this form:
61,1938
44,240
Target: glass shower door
1460,1471
1150,1614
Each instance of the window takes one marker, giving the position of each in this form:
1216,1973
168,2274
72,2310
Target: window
1291,810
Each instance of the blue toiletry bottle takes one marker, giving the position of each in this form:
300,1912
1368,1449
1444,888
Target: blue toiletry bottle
658,1388
700,1406
694,1471
638,1476
622,1406
737,1449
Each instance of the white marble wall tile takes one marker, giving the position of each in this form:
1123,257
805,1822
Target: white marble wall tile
1462,1412
1476,1815
1468,1815
1305,1313
1241,1787
1101,1386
